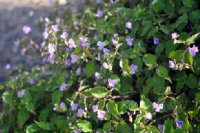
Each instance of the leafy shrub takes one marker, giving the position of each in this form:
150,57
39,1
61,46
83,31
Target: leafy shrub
123,67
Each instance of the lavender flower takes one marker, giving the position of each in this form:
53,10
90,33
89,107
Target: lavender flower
83,42
157,106
175,35
55,28
77,131
128,25
134,68
64,35
20,93
179,123
97,75
8,66
171,64
45,35
31,81
51,59
26,29
74,107
73,58
106,51
68,63
193,50
148,116
105,65
100,45
62,106
101,114
116,35
78,71
111,82
63,87
100,13
80,112
71,43
98,57
160,127
95,108
98,1
51,48
155,41
114,42
129,41
95,37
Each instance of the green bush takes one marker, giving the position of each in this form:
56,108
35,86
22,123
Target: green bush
123,67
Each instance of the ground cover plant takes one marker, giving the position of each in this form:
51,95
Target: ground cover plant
118,66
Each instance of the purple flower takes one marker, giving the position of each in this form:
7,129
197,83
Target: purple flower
97,75
55,28
155,41
78,71
68,63
179,123
63,87
160,127
31,81
116,35
114,42
111,82
95,37
62,106
134,68
175,35
73,58
128,25
98,57
100,45
80,112
106,51
95,108
148,116
51,48
101,114
129,41
83,42
77,131
43,44
64,35
98,1
45,35
26,29
8,66
51,59
20,93
100,13
51,1
171,64
193,50
71,43
74,107
157,106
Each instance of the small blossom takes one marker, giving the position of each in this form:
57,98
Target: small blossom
68,63
100,13
171,64
17,42
78,71
129,41
20,93
160,127
157,106
106,51
148,116
55,28
74,107
114,42
51,59
95,108
134,68
97,75
31,81
64,35
98,1
179,123
128,25
101,114
111,82
73,58
95,37
175,35
193,50
51,48
155,41
105,65
100,45
80,112
71,43
46,20
98,57
83,42
63,87
116,35
62,106
45,35
26,29
8,66
77,131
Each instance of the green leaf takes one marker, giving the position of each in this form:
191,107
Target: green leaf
44,125
168,126
56,96
189,3
169,7
107,127
194,16
192,39
32,128
162,72
192,81
118,83
84,125
158,84
197,97
99,92
158,5
145,103
124,64
152,129
90,68
123,127
182,21
177,55
126,85
150,59
7,97
22,117
112,108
